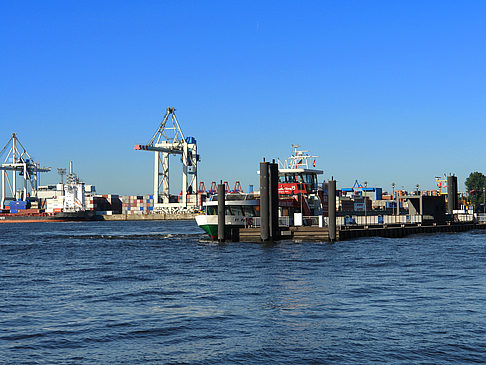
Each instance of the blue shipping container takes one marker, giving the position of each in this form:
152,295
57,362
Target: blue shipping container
18,204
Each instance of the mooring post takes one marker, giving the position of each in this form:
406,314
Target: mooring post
451,193
331,188
221,213
273,200
264,202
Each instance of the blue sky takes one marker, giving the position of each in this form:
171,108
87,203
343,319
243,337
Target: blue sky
381,91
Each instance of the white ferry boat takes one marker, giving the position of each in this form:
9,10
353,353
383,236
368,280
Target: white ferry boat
238,213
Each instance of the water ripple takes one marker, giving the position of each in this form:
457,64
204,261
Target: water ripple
160,292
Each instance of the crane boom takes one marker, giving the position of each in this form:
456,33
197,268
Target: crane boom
145,147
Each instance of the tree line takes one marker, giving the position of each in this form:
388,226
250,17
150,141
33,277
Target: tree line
476,185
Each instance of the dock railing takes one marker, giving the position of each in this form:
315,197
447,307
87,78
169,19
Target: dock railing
311,220
255,222
375,220
467,217
360,220
284,221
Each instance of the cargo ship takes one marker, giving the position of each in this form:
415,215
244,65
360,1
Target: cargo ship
38,215
71,206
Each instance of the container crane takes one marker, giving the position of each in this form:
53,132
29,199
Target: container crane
18,162
169,140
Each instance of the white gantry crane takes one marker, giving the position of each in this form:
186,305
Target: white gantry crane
18,162
169,140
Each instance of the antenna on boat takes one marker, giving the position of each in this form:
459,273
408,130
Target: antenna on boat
299,158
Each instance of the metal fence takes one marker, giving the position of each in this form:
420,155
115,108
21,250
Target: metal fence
376,220
283,221
466,217
359,220
311,220
481,218
255,222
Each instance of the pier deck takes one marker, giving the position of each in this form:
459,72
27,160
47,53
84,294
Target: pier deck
347,233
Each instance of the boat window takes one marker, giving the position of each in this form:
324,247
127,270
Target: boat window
212,210
248,211
290,178
233,210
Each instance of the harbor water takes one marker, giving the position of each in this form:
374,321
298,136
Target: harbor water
161,292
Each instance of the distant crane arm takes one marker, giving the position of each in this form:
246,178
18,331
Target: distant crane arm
142,147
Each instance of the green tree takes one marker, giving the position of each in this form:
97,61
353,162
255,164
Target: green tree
475,184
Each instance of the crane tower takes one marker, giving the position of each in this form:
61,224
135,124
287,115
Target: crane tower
18,162
169,140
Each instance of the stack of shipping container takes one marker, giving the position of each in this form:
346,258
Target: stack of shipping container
137,204
17,205
104,203
27,207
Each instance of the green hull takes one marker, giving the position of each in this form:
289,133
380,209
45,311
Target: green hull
212,230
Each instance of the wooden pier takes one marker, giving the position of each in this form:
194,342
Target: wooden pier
351,232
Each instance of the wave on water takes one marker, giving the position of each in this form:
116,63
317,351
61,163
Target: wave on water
151,236
168,294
